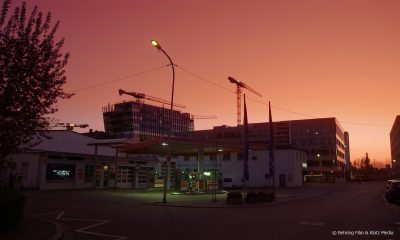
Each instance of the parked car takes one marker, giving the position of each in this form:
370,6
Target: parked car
393,190
390,182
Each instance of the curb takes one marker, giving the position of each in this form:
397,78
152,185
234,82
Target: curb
224,205
160,204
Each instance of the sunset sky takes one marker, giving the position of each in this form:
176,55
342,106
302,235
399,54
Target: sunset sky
320,58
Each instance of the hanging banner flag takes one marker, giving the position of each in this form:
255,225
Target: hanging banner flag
246,144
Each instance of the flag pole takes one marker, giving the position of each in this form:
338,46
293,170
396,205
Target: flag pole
271,149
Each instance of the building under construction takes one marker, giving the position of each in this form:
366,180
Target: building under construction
141,120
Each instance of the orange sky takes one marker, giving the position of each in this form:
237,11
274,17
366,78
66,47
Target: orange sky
316,58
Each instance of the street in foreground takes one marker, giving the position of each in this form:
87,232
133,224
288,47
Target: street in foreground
328,211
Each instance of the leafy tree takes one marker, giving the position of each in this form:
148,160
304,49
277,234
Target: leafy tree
32,75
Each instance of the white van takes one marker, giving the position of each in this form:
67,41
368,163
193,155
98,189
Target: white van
231,182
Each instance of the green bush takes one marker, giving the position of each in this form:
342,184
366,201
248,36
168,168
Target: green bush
234,198
257,197
252,197
11,209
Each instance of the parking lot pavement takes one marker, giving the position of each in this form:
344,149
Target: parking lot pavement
43,208
31,228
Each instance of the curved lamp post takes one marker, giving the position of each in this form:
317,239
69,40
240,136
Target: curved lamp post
166,176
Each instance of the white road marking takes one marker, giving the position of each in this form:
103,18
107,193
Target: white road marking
60,215
319,224
59,231
84,229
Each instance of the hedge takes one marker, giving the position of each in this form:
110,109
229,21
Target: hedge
11,209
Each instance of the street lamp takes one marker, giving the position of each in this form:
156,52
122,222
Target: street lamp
157,45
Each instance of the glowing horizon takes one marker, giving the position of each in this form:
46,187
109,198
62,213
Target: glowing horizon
309,58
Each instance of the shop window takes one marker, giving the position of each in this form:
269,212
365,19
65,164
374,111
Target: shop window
60,172
226,156
89,173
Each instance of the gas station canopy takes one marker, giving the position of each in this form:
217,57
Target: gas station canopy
181,146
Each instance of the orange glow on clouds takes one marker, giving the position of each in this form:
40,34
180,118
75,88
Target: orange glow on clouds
316,58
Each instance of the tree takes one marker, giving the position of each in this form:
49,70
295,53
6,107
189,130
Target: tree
32,75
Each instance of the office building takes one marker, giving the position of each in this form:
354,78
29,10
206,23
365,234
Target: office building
395,146
322,139
140,121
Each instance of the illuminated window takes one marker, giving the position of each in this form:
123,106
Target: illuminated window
60,172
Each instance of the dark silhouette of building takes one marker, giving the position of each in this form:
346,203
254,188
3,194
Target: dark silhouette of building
395,145
347,155
322,139
97,134
141,121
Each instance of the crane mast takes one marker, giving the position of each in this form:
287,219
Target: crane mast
239,86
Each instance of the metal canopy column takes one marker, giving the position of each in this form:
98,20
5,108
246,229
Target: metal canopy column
200,162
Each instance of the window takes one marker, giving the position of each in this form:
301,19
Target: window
125,174
60,172
143,175
226,156
89,173
240,156
75,158
254,158
328,163
186,158
311,163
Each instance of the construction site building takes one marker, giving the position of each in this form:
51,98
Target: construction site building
141,121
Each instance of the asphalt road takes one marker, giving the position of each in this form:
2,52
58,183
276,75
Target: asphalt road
340,211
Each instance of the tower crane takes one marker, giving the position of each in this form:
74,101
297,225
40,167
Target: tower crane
148,97
239,86
71,126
